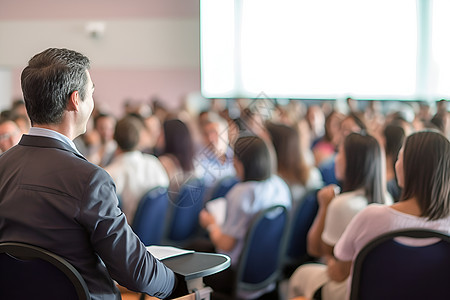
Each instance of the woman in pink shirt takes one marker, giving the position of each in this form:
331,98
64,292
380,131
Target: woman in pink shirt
423,171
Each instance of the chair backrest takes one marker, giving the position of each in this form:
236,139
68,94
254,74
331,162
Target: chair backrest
184,212
30,272
326,169
260,261
388,268
223,186
300,221
149,219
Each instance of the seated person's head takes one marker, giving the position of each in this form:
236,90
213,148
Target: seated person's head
394,135
423,171
353,122
214,129
290,163
23,122
9,134
48,82
179,143
104,124
252,159
359,165
128,133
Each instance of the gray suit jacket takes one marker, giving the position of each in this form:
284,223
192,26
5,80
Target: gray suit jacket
54,198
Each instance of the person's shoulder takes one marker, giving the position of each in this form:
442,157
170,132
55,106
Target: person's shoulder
374,212
151,158
245,185
277,180
272,187
376,208
346,196
83,166
241,189
348,202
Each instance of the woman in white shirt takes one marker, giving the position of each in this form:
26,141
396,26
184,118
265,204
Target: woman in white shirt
359,166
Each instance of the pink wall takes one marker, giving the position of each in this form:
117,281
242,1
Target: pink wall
103,9
170,86
114,86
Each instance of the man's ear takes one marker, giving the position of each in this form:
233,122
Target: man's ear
74,101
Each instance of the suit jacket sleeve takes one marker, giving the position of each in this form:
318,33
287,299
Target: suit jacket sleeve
126,258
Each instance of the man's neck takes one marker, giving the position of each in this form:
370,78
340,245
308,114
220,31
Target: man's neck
58,128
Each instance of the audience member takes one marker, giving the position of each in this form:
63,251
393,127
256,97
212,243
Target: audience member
352,105
305,142
425,201
9,134
359,167
353,122
316,121
215,159
439,121
252,123
23,122
394,136
134,172
19,115
324,148
291,166
6,114
259,189
152,134
178,155
104,125
55,199
18,107
87,143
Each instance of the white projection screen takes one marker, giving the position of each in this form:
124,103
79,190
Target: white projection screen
323,49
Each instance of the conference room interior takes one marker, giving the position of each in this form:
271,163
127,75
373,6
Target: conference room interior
303,78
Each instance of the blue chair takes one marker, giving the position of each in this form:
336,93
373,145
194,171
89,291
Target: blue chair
149,219
184,209
387,268
30,272
259,265
223,186
326,169
301,219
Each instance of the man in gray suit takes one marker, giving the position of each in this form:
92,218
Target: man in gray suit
52,197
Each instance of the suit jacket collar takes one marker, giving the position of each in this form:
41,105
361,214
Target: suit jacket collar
47,142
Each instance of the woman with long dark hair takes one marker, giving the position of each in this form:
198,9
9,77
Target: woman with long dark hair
360,168
291,165
178,154
423,172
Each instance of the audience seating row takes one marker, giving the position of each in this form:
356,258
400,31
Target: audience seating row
44,275
169,218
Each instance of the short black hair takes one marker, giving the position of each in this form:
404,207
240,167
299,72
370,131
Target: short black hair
255,157
48,81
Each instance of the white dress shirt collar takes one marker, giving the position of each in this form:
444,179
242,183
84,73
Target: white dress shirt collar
37,131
